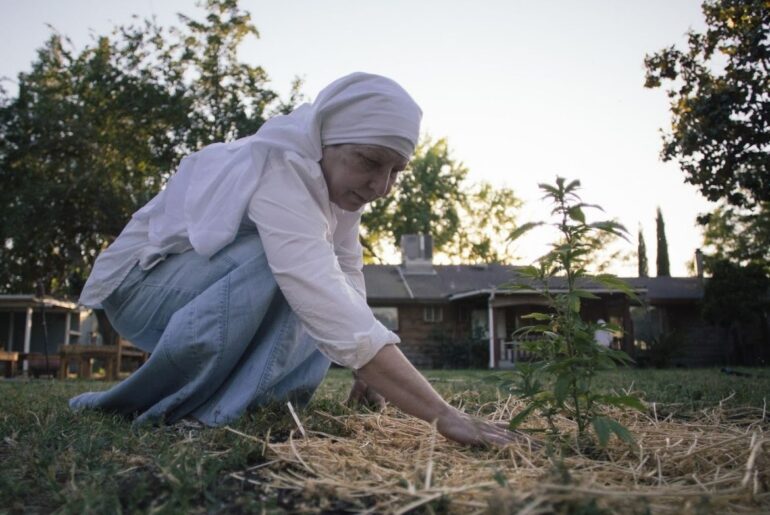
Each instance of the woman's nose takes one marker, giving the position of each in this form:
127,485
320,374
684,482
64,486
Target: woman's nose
379,184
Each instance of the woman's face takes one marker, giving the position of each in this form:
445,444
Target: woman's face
358,174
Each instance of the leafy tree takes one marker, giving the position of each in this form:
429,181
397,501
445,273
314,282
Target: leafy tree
736,297
642,255
93,135
561,382
468,222
229,97
426,200
662,250
487,216
720,105
603,252
82,145
738,235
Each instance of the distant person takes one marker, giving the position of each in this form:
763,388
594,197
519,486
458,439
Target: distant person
602,336
243,277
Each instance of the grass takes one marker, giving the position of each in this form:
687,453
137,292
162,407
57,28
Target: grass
55,460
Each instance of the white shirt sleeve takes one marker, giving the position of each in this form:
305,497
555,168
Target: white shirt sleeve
296,224
347,246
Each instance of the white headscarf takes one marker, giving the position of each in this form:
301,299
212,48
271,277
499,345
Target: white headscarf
205,201
358,108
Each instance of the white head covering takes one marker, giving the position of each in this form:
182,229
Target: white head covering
358,108
206,199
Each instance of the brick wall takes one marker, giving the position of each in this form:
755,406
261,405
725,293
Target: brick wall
422,341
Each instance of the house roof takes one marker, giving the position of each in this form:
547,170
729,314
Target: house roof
451,282
393,282
23,301
669,288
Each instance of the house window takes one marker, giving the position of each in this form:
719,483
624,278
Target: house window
433,314
388,316
480,324
648,326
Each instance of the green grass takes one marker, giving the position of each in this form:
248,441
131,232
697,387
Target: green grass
54,460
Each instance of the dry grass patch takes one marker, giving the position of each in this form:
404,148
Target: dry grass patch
716,460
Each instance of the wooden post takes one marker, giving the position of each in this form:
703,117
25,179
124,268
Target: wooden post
9,343
500,332
491,330
63,365
85,368
67,327
27,340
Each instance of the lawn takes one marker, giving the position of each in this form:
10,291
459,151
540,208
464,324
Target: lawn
702,447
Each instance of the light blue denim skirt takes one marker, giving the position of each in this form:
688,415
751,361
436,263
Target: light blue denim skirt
222,336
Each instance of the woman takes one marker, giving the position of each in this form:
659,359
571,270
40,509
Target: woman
243,277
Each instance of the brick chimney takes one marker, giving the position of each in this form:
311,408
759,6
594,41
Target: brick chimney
699,263
417,254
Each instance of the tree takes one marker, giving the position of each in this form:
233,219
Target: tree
642,256
662,250
469,223
83,144
738,235
427,199
487,217
93,135
735,297
229,97
720,106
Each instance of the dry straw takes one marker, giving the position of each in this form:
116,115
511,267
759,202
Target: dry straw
716,461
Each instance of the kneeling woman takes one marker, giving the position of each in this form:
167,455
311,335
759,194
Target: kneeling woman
243,277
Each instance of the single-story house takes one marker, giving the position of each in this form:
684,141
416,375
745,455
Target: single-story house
30,325
465,315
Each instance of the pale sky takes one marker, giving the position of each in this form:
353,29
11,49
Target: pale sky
523,90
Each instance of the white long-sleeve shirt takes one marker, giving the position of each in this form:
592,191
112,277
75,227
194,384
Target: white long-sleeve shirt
312,248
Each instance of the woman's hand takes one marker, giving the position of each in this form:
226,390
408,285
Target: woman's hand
466,429
391,374
362,395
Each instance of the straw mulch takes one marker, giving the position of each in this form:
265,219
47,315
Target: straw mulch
715,461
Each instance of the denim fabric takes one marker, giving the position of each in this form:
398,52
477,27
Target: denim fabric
222,336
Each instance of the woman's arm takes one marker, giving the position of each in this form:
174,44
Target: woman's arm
292,213
392,375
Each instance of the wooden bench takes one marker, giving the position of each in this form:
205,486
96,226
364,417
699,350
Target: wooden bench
10,359
128,352
85,356
38,365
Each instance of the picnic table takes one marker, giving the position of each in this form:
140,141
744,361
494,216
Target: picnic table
113,357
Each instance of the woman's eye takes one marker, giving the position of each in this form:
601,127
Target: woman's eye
368,160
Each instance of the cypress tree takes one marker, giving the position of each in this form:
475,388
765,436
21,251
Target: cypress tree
641,253
662,262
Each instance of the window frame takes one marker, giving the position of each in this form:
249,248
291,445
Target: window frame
385,320
433,309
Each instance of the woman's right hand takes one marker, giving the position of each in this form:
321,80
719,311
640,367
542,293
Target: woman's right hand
390,374
468,430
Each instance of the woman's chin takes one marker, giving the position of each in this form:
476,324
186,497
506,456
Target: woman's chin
350,202
347,205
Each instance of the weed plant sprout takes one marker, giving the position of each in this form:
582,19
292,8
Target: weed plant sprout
560,382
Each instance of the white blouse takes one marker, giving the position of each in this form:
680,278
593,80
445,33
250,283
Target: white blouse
311,245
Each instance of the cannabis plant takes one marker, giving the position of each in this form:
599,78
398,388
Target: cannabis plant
560,382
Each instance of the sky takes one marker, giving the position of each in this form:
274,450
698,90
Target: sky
523,91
